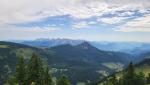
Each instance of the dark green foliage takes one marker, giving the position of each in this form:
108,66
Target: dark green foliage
132,78
140,79
9,57
130,73
21,74
32,73
63,80
12,80
35,70
112,80
129,78
148,79
47,77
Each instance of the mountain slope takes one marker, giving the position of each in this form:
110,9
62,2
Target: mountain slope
9,53
85,50
86,58
144,65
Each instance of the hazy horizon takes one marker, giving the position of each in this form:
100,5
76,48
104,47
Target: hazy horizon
96,41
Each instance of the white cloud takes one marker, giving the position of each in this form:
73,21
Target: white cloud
80,25
10,32
27,29
20,11
144,11
127,13
112,20
92,22
39,29
141,24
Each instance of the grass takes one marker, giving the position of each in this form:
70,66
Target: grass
145,69
4,46
81,83
114,66
103,72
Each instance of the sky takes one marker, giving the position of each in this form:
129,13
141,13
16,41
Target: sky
94,20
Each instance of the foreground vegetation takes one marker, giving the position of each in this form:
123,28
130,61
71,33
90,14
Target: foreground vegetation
34,72
129,77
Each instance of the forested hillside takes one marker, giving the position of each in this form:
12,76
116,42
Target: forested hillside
138,74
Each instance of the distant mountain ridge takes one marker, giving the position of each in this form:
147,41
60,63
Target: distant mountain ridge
134,48
51,42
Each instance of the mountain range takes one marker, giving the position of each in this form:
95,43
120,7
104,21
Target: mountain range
79,61
134,48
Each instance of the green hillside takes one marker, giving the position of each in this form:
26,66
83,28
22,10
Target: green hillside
141,72
144,65
9,53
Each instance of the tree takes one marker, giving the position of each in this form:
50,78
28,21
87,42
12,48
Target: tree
113,80
130,71
129,75
21,71
148,79
131,78
140,79
35,70
47,77
63,80
11,81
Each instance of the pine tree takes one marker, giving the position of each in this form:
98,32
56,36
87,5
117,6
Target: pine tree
21,71
63,80
47,77
140,79
148,79
12,80
35,70
129,75
130,71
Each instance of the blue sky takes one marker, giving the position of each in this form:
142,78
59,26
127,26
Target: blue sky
95,20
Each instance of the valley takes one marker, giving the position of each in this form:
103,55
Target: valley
78,61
